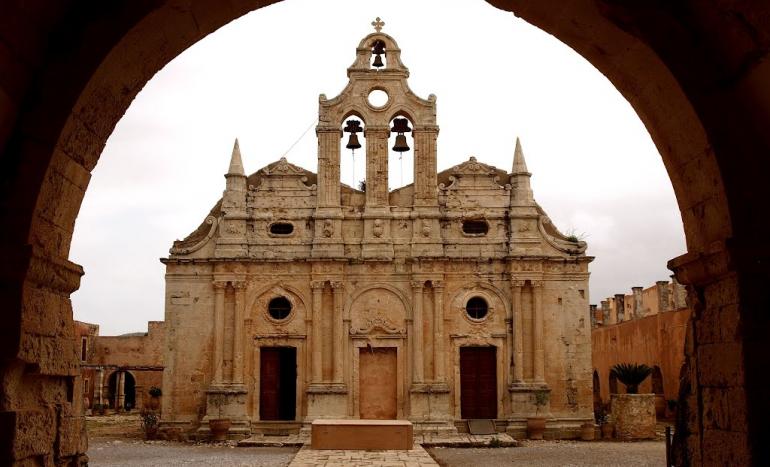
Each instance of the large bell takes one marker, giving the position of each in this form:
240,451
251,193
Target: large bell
401,125
400,145
377,63
353,142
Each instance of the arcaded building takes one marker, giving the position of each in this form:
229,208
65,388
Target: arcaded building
452,298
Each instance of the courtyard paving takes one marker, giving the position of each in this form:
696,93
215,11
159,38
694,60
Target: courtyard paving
133,452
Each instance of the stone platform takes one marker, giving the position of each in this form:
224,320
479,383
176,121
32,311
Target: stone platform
362,434
417,457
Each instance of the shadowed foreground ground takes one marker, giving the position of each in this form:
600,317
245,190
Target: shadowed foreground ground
557,453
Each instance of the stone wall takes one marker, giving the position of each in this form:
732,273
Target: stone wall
656,340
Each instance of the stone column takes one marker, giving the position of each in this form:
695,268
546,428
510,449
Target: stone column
638,307
438,336
120,383
317,343
606,318
328,166
620,307
538,356
219,328
240,288
417,324
518,333
337,332
377,165
663,302
425,179
100,392
595,321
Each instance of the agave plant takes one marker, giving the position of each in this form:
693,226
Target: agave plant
631,375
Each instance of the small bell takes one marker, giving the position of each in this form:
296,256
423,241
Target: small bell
379,47
353,127
377,63
353,142
401,145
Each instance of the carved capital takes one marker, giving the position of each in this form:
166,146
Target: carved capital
517,282
316,285
537,284
418,285
439,284
219,285
376,131
239,285
337,285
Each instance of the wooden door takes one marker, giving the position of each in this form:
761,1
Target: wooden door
277,383
377,376
478,382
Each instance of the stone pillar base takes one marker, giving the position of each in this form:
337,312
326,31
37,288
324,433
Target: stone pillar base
227,400
634,415
524,397
327,400
430,403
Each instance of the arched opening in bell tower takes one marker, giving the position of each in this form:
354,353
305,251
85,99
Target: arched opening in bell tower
353,152
401,151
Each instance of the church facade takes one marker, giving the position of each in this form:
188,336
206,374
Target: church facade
449,299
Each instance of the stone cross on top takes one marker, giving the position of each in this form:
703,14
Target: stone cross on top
378,24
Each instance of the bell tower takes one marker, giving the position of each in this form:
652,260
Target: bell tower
377,69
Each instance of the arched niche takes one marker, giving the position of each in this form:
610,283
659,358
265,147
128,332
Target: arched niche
378,309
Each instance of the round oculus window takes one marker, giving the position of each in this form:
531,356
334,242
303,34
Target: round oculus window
378,98
477,308
279,308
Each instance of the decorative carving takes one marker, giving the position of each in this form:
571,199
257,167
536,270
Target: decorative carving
425,228
239,284
179,250
219,285
337,285
377,320
418,284
377,228
438,284
317,284
328,228
283,167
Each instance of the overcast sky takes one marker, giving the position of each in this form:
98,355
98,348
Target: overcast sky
595,169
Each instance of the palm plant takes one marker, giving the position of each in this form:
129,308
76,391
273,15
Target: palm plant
631,375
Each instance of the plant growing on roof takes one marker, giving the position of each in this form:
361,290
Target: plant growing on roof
631,375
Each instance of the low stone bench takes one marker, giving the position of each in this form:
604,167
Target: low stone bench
361,434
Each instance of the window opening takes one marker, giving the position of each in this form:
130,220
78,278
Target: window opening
357,175
477,308
475,227
279,308
281,228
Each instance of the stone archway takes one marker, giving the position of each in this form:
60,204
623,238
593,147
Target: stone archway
702,96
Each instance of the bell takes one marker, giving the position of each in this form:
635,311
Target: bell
379,47
353,142
400,145
377,63
401,125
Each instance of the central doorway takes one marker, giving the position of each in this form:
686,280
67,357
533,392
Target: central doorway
277,383
478,382
377,383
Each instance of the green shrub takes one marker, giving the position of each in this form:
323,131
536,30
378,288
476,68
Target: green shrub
631,375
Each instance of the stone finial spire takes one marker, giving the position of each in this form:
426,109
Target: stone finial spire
236,164
519,164
521,192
